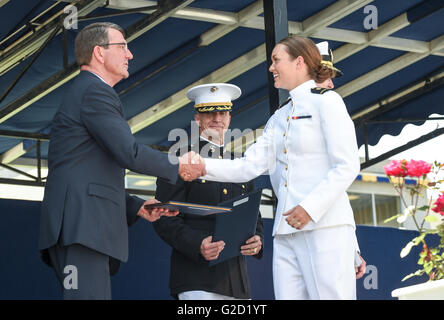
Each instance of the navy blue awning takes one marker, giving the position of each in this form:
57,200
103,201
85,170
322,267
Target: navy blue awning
168,58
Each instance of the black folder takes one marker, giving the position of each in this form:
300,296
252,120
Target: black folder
237,226
190,208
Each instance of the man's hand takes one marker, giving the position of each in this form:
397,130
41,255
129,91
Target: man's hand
191,166
210,250
252,246
360,271
154,214
297,217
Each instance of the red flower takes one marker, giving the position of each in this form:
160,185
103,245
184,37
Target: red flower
439,205
417,168
396,168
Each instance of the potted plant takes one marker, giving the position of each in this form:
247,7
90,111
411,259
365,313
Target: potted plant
431,258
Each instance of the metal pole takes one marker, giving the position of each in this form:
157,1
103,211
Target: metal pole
365,128
276,29
39,162
374,216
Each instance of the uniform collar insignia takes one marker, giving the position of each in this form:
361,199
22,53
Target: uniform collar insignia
319,90
284,103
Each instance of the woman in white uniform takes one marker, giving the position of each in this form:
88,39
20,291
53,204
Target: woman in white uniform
309,149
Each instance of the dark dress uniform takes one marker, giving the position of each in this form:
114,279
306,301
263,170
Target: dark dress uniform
184,233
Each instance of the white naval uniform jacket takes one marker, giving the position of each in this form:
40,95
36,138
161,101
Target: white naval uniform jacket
311,161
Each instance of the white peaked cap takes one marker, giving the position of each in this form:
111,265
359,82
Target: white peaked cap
213,97
327,58
323,48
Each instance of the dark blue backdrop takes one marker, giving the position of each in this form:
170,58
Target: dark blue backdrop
145,275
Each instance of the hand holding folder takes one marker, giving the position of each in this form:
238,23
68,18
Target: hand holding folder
252,246
210,250
238,226
149,211
189,208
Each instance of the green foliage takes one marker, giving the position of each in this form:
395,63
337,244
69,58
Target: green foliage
431,259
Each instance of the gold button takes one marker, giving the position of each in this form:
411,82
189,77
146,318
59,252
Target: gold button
286,167
225,191
203,181
285,134
288,118
285,184
285,150
243,186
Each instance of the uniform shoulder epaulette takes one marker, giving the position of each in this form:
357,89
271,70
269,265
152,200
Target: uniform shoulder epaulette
319,90
283,103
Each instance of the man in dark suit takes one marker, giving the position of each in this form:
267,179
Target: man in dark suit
190,236
85,211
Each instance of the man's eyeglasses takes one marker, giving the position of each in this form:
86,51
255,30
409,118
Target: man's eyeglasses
122,45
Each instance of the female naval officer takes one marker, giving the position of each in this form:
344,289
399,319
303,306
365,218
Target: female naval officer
309,149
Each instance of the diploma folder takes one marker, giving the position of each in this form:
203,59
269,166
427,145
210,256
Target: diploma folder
238,226
190,208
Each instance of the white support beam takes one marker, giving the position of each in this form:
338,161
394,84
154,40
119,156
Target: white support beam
379,73
341,35
15,152
356,37
388,69
29,163
243,16
396,96
157,21
373,36
402,44
189,13
437,44
207,15
179,99
3,2
43,93
331,14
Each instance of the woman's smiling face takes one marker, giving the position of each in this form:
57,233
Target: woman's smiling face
284,68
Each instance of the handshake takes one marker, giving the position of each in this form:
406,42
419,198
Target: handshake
191,166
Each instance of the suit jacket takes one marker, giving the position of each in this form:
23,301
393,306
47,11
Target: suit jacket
90,147
189,270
